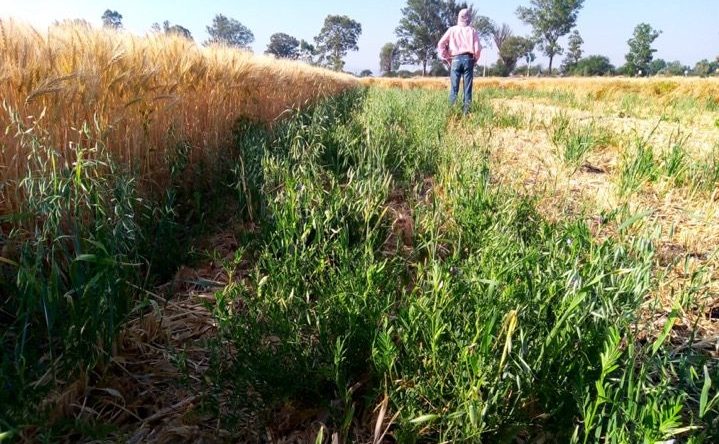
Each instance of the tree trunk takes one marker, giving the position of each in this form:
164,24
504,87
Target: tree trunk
551,58
424,68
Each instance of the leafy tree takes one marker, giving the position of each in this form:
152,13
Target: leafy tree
500,34
338,36
528,70
530,57
485,28
551,20
228,31
389,58
675,68
513,49
307,52
112,19
283,46
641,52
178,30
422,25
657,66
704,68
366,73
438,69
595,65
575,52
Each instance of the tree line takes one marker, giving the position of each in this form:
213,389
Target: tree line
338,36
423,23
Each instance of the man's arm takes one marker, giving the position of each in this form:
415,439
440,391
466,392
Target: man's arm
477,47
443,47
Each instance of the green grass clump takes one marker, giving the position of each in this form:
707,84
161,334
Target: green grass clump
486,115
704,173
638,167
574,142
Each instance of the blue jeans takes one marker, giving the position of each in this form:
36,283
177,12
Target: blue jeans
462,65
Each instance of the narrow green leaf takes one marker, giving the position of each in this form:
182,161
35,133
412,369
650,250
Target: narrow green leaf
665,332
424,418
703,400
634,219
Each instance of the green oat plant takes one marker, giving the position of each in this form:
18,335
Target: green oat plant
675,162
482,322
83,249
704,173
638,166
320,283
573,141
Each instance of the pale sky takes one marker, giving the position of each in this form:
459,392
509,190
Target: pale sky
690,31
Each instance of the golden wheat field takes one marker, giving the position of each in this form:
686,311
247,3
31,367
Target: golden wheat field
137,96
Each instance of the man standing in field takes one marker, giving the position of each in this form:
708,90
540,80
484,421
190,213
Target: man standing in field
460,47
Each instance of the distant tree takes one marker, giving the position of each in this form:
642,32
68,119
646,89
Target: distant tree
179,30
168,29
529,57
389,58
641,53
657,66
551,20
366,73
338,36
513,49
574,55
422,25
675,68
528,70
704,68
485,28
283,46
595,65
497,69
228,31
438,69
307,52
500,34
112,19
404,74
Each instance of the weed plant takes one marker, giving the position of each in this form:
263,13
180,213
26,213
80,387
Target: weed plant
481,322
